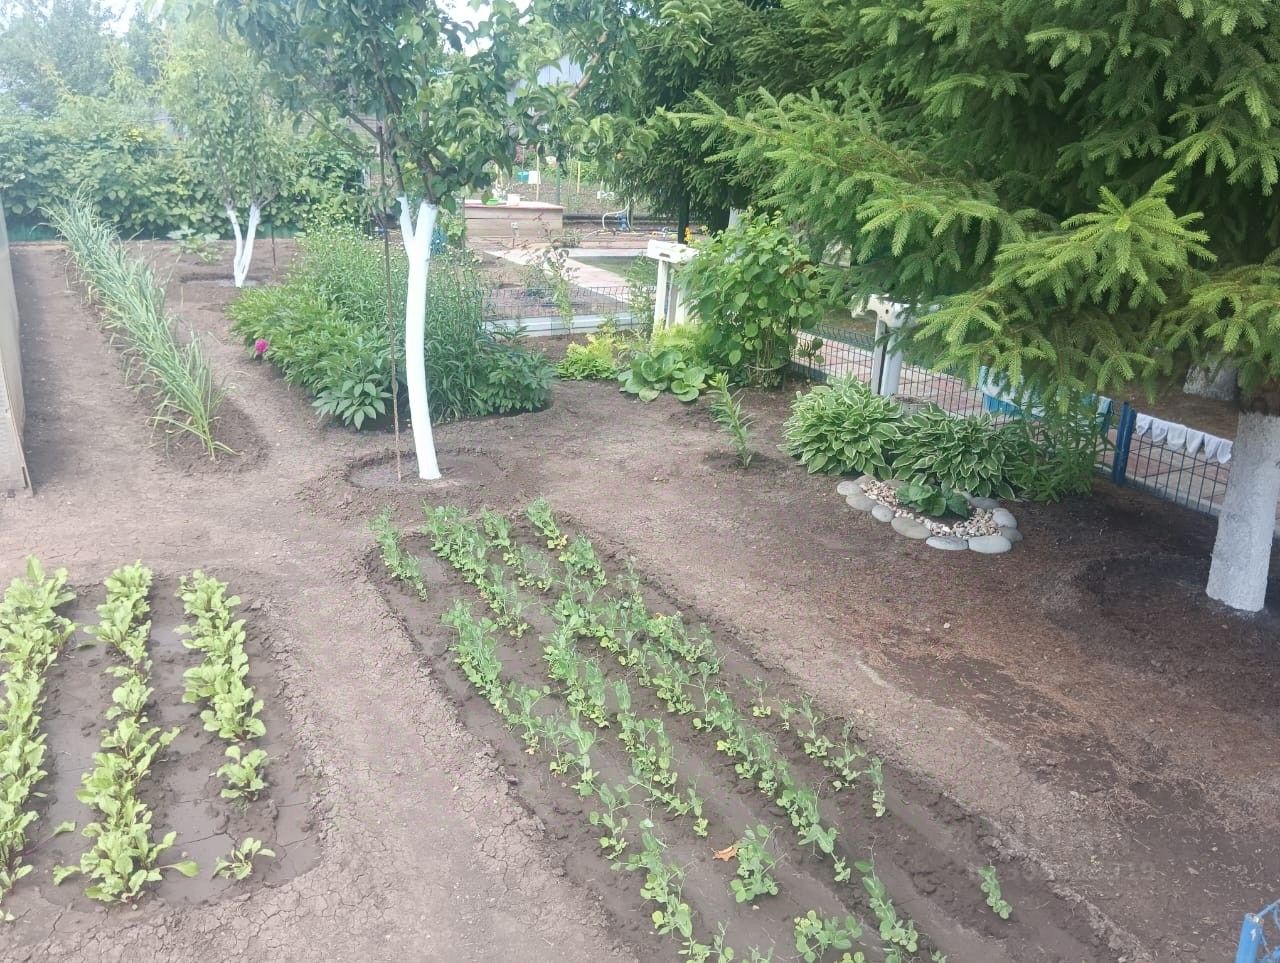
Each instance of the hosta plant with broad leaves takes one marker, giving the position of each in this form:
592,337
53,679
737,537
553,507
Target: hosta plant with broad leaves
842,428
931,500
653,372
960,454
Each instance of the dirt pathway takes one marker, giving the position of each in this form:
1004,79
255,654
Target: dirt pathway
425,855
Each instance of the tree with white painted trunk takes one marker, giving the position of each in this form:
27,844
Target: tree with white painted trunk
446,102
238,136
1079,197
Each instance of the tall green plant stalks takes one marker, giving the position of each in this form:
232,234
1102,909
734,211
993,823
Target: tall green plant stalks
177,376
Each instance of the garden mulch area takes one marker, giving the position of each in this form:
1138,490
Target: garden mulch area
1096,724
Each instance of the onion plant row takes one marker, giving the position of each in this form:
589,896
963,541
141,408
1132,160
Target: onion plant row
178,376
680,668
124,857
220,682
32,635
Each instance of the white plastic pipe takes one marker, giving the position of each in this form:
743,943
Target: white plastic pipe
1242,549
417,247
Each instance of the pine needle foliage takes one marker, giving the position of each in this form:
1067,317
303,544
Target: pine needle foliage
1078,195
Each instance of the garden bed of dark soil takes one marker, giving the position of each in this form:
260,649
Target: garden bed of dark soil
925,848
182,789
1085,696
1079,701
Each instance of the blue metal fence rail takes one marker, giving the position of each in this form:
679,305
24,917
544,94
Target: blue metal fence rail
1254,946
1195,481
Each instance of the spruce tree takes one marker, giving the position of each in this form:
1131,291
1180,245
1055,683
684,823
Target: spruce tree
1079,192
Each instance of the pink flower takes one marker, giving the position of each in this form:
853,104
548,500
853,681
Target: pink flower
260,347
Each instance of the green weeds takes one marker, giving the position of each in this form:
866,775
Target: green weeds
729,415
991,889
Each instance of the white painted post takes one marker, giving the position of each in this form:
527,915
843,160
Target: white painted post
660,295
1246,526
417,246
886,366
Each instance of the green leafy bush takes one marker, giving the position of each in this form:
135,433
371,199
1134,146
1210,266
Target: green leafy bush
842,427
139,176
753,288
657,369
517,380
326,329
931,500
961,454
600,358
1053,456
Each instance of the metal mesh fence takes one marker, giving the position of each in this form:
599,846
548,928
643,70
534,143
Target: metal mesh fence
1193,480
519,303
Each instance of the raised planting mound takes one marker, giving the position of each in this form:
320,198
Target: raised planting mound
714,809
150,759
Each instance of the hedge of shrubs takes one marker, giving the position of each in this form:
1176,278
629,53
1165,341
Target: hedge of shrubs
326,329
843,428
140,178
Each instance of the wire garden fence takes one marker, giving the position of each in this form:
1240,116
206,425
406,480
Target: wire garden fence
1173,462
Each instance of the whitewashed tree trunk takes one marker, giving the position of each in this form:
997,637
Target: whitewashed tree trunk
1242,549
417,246
244,242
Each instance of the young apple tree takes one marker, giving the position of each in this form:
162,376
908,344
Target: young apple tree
446,101
217,96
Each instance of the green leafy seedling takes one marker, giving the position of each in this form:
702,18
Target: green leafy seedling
238,864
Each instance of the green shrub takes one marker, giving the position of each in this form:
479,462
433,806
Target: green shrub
931,500
960,454
600,358
326,327
1053,456
753,288
654,370
138,175
517,379
841,427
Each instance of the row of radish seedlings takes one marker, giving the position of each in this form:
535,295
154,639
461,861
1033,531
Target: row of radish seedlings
681,668
123,855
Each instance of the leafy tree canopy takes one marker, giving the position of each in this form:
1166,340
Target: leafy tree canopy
53,47
452,100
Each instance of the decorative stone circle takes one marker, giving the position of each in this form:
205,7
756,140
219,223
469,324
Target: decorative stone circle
990,530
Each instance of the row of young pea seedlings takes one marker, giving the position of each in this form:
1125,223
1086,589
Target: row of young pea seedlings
32,636
123,856
654,647
585,689
687,678
569,740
